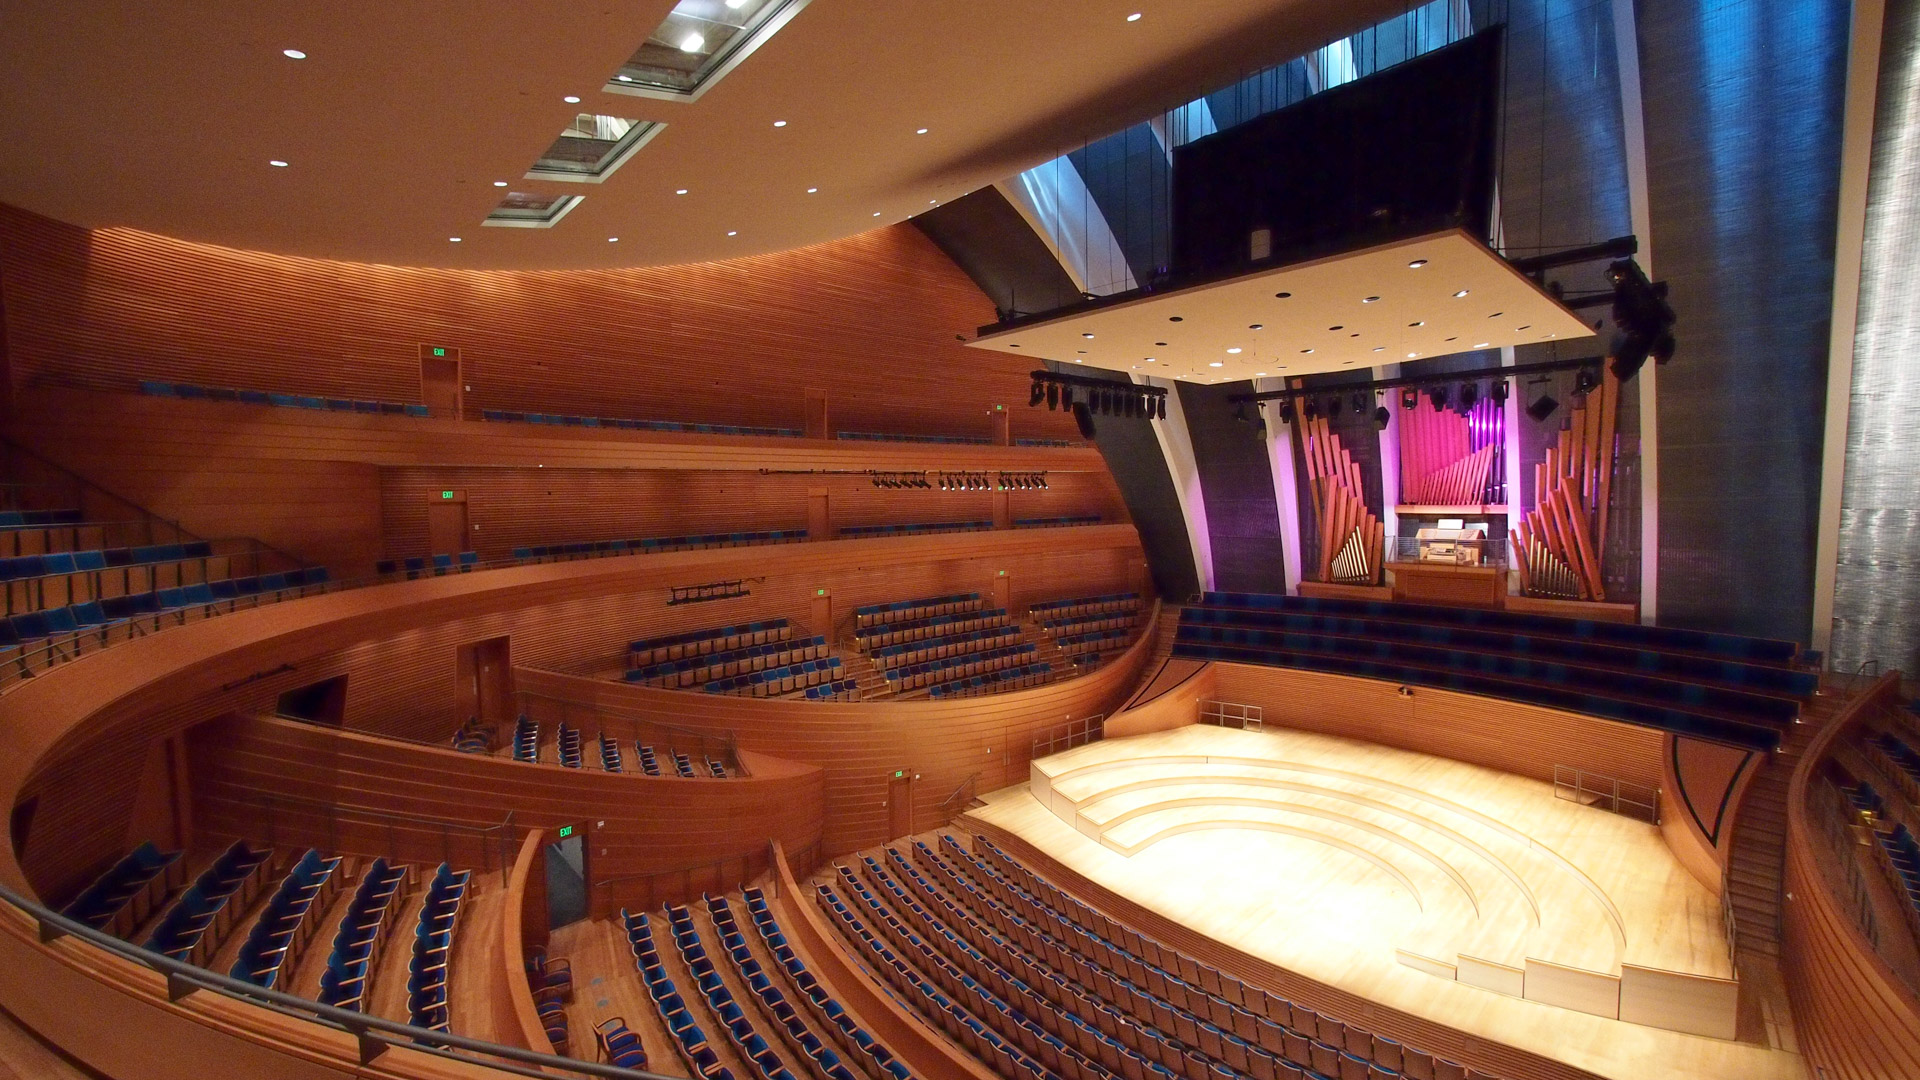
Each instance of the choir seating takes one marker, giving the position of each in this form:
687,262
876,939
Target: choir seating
505,416
648,545
194,392
918,528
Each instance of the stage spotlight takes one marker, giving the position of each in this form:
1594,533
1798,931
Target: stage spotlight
1066,397
1259,421
1409,398
1240,413
1310,409
1542,408
1163,406
1333,406
1359,402
1286,410
1036,395
1498,392
1438,394
1585,381
1084,420
1053,397
1381,416
1469,396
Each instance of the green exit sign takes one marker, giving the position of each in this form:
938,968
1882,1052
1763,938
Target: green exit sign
446,494
439,352
566,831
819,592
899,774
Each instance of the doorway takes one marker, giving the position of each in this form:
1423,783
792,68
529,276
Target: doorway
900,804
440,387
483,686
566,878
447,523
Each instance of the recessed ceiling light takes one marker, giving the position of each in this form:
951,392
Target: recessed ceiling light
1259,374
1088,336
623,78
571,99
691,43
1281,295
1083,352
933,202
1234,351
876,213
499,183
277,163
1161,344
679,191
1460,294
1336,328
1416,264
453,239
1496,314
1149,359
1453,339
779,123
1306,350
1215,363
1379,348
921,131
1012,345
1422,322
1369,299
1255,326
613,239
293,54
733,232
1176,318
1411,355
1077,360
1529,326
813,190
1482,345
1135,17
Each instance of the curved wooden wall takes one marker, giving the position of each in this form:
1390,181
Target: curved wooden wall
870,318
1856,1020
859,745
515,1008
1510,736
1702,784
78,738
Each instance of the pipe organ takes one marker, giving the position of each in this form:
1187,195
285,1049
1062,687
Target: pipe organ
1352,539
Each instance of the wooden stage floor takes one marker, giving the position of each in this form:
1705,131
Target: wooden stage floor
1347,862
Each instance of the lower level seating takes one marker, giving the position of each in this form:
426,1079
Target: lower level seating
369,920
129,891
433,936
292,916
688,1039
1016,678
834,1018
419,566
196,923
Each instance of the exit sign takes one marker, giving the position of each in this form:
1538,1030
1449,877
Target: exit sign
446,494
566,831
899,774
439,352
819,592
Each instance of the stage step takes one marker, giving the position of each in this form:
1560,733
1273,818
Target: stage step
1758,858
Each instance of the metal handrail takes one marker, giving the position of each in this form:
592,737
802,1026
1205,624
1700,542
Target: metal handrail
972,780
1613,791
1081,732
334,812
374,1035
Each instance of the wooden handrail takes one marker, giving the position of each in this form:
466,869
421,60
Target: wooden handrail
513,957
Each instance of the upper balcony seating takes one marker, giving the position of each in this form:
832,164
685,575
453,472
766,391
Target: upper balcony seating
149,609
504,416
655,650
129,891
1056,522
432,945
932,648
741,1030
794,1029
568,741
1732,690
683,765
40,519
778,681
882,436
610,754
1085,605
715,769
474,737
1898,760
1046,442
902,611
688,1039
694,670
289,401
838,690
951,668
526,739
649,545
1899,857
886,634
1078,645
419,566
290,919
193,927
649,762
920,528
55,579
370,917
1018,678
1088,622
851,1036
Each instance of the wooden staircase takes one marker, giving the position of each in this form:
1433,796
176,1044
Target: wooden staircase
1758,856
1045,651
1163,636
859,667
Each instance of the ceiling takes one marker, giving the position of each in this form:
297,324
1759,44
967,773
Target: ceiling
163,116
1241,329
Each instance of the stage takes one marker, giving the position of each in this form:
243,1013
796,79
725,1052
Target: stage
1436,887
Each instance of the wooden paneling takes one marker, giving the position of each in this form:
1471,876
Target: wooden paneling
875,315
77,737
513,996
1522,739
1855,1019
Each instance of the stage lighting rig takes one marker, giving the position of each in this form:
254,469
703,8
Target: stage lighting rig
1097,397
1643,319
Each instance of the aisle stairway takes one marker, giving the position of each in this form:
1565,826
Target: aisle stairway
1757,858
860,669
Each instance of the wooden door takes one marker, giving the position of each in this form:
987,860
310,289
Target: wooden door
822,622
900,805
819,526
440,388
1003,592
484,681
447,526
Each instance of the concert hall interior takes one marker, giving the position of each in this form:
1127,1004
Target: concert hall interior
1088,540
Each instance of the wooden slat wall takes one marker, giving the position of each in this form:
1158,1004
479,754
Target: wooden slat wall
1856,1020
520,507
861,744
870,318
1522,739
77,738
238,763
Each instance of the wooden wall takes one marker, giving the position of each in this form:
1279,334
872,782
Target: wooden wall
1522,739
1855,1018
870,318
77,738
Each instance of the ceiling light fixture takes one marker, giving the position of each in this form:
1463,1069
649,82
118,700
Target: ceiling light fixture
876,213
1482,345
1255,326
277,163
499,183
1411,355
1370,299
624,78
1306,350
1135,17
1234,351
779,123
1422,322
1215,363
692,43
293,54
1416,264
813,190
733,232
680,191
613,239
1460,294
453,239
571,99
921,131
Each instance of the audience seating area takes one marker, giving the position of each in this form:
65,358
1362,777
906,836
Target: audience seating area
419,566
1041,985
656,650
358,944
693,671
503,416
432,946
648,545
117,617
288,401
569,751
789,1025
195,924
1741,691
63,578
688,1039
879,436
289,921
1056,522
1014,678
833,1018
129,891
925,528
838,690
741,1031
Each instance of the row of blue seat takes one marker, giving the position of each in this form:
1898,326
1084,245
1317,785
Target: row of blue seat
115,610
1903,757
567,742
917,528
1088,621
289,401
1010,679
882,634
1056,522
504,416
1045,442
1631,635
80,562
1095,641
40,519
193,926
903,608
838,690
432,947
974,663
1070,603
693,669
1248,1029
1006,1059
740,1029
131,889
648,545
881,436
688,1039
799,1034
418,566
1738,674
371,914
851,1035
526,739
283,928
711,639
768,683
910,650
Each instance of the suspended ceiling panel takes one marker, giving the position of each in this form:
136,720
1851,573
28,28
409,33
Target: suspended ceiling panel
1430,296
